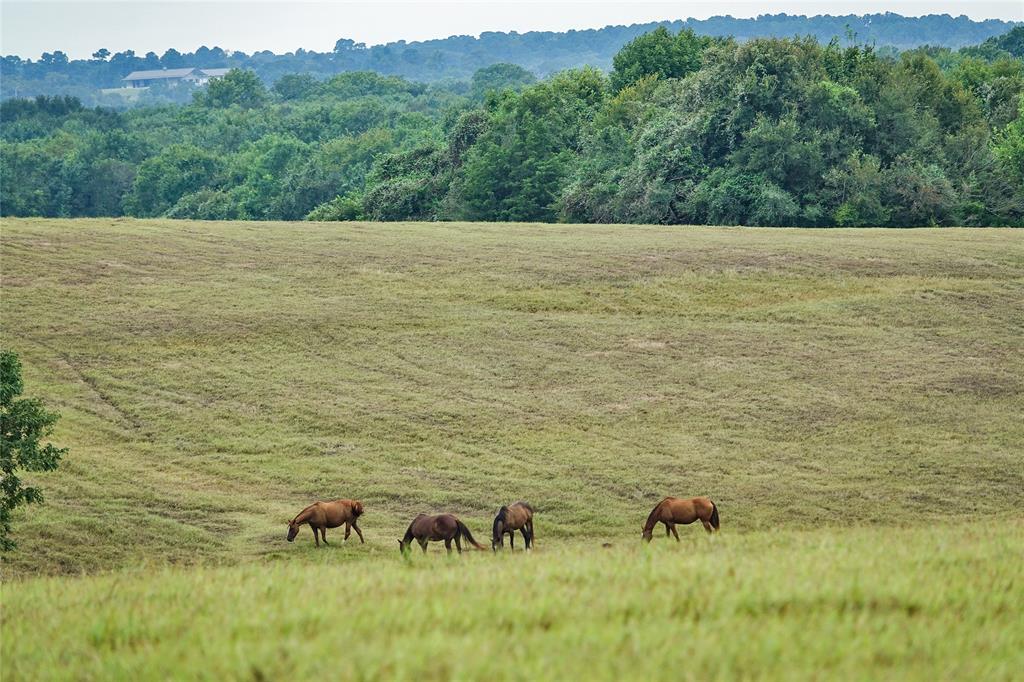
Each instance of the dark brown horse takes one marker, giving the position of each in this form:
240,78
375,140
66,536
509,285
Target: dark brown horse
673,510
323,515
518,516
445,527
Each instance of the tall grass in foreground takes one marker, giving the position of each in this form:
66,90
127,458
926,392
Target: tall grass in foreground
936,603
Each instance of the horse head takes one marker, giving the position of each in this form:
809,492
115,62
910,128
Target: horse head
498,530
293,530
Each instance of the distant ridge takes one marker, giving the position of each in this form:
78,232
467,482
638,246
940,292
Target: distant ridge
458,57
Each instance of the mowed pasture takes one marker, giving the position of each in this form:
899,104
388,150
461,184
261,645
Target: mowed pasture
851,400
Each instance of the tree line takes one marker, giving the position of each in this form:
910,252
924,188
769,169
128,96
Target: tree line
458,57
683,129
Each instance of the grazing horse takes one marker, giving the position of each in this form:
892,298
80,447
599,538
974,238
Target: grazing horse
323,515
673,510
445,527
518,516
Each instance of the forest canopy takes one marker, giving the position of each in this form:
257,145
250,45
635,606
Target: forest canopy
684,129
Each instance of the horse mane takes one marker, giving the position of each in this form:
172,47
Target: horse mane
525,504
357,508
296,519
651,520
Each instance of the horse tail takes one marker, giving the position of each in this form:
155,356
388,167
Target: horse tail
469,536
714,516
357,509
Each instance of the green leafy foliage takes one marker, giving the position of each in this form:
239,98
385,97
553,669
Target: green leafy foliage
237,88
498,77
685,129
24,422
658,53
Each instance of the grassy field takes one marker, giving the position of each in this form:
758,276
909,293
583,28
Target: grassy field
860,604
851,399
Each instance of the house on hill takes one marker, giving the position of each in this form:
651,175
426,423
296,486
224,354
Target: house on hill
143,79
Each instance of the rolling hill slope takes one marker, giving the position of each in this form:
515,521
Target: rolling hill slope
215,378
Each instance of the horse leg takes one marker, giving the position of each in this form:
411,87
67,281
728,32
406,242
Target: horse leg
458,543
358,532
668,529
323,534
526,536
348,530
448,546
511,541
673,527
316,535
707,525
423,545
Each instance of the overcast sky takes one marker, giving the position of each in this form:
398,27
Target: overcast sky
80,27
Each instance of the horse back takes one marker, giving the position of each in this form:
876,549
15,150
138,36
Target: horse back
689,510
444,526
437,527
337,512
517,515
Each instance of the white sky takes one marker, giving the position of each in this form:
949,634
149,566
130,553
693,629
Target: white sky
80,27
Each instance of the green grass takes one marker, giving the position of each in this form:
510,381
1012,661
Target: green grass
873,604
851,400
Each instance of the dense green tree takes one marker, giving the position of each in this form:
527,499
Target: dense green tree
498,77
24,423
295,86
1009,147
165,178
236,88
409,185
348,207
1011,42
762,132
658,53
518,167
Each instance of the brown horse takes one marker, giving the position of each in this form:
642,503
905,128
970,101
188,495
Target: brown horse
445,527
518,516
323,515
673,510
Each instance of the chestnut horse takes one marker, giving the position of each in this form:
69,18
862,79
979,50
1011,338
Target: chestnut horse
673,510
323,515
445,527
518,516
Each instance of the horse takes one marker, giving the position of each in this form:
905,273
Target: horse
673,510
518,516
323,515
445,527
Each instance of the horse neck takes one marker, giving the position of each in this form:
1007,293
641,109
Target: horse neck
652,519
303,516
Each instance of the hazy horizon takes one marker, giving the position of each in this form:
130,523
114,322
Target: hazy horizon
284,27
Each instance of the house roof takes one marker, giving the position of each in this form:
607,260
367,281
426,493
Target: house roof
158,73
214,73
